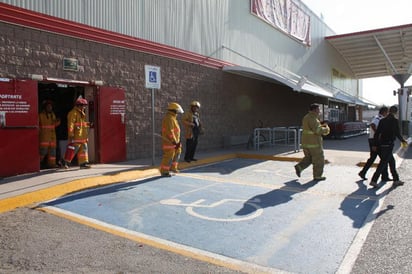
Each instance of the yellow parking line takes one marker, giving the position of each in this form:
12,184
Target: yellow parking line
180,249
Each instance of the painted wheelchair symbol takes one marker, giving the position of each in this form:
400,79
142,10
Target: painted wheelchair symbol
190,209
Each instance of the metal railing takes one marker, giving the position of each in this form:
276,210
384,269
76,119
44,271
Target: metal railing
262,136
287,135
276,135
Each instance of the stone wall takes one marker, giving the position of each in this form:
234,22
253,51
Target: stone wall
231,104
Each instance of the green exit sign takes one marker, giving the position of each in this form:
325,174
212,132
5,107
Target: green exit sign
70,64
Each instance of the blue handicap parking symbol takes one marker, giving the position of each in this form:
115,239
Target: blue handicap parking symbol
152,77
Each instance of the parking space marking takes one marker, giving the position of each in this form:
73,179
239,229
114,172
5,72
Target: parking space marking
286,188
278,241
199,203
156,242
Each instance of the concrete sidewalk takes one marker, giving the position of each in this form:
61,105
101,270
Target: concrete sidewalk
347,152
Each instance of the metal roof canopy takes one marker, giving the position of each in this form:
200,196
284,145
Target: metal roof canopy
297,84
375,53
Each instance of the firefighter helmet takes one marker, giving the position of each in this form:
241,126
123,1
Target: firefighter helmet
195,104
81,101
175,107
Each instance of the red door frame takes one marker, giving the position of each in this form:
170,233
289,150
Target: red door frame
19,151
110,117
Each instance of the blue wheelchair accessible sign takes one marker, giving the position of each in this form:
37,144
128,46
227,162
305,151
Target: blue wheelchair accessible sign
152,76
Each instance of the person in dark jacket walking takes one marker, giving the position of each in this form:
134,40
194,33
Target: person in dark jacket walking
374,153
385,135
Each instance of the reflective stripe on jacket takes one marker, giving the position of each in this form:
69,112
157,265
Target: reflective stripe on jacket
47,125
312,131
77,127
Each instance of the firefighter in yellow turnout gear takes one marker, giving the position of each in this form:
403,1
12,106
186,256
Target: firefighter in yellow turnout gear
47,133
312,143
171,144
78,135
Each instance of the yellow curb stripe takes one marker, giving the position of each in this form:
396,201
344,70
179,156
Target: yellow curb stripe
60,190
214,159
268,157
183,250
362,164
70,187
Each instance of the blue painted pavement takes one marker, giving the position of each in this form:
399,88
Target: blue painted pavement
251,210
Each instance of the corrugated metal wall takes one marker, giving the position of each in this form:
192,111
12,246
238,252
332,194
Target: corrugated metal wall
223,29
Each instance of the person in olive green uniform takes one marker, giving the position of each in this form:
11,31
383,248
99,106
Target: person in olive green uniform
171,144
312,143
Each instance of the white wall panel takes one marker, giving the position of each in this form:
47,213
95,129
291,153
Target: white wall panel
223,29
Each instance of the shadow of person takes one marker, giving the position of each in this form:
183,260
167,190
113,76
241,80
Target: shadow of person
274,197
358,204
83,194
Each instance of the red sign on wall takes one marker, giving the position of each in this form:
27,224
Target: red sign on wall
19,145
18,103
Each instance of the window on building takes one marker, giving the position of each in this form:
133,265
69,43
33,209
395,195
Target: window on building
284,15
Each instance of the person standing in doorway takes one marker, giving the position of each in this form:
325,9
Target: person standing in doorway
312,143
373,153
171,145
47,134
193,128
385,135
78,135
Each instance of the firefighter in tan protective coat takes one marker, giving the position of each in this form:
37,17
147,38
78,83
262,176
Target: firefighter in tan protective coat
47,134
171,145
312,143
78,135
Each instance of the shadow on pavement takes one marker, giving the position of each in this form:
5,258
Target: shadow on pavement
99,191
361,201
274,197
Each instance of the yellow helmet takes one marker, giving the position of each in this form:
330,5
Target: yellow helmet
195,104
176,107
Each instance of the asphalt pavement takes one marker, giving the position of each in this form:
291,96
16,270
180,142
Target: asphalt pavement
382,243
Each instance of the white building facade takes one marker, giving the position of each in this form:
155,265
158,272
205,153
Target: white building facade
248,62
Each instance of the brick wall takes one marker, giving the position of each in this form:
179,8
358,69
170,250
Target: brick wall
231,104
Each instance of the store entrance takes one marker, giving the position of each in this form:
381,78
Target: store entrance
106,113
63,97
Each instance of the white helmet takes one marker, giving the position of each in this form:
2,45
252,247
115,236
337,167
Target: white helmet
195,104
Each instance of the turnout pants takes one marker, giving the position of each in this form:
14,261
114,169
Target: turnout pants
313,156
81,150
49,149
170,159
